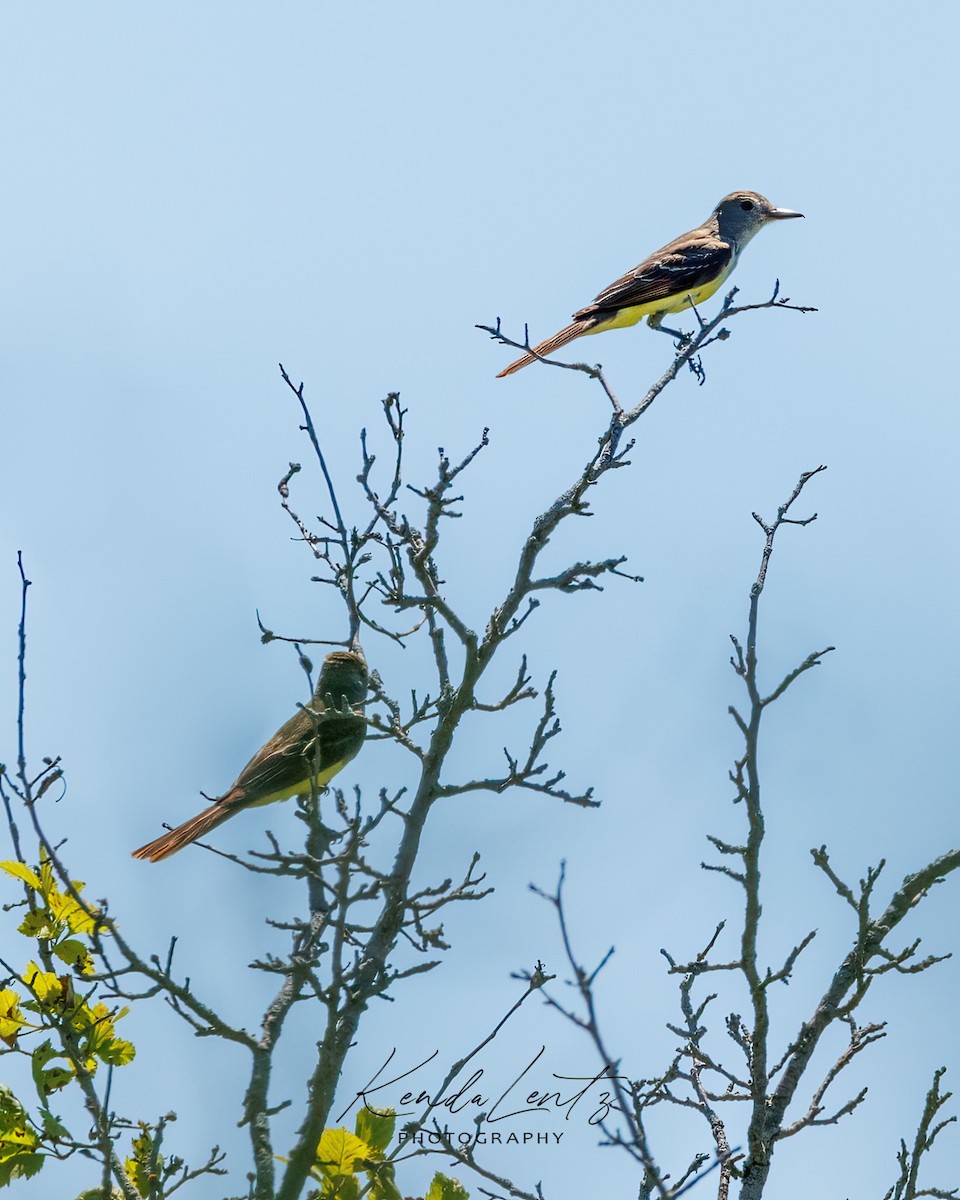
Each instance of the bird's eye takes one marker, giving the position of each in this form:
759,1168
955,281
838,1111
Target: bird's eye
746,205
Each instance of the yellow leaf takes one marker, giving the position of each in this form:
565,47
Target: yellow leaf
44,984
339,1150
20,870
11,1019
65,908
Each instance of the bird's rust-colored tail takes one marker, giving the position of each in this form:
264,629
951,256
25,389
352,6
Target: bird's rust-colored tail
183,835
552,343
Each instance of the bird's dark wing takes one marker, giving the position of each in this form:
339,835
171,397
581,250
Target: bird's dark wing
682,266
306,746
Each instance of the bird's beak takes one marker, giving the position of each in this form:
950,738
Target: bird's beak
781,214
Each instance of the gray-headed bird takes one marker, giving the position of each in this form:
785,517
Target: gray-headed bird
685,272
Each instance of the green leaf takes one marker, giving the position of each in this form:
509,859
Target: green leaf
375,1126
48,1079
382,1184
346,1187
141,1167
17,1163
37,924
445,1188
75,954
18,1141
54,1129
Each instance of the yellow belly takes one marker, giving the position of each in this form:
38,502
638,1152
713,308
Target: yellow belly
672,304
321,779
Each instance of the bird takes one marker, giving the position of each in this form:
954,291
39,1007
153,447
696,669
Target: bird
304,754
685,272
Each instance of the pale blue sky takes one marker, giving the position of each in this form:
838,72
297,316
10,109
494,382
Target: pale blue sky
193,193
